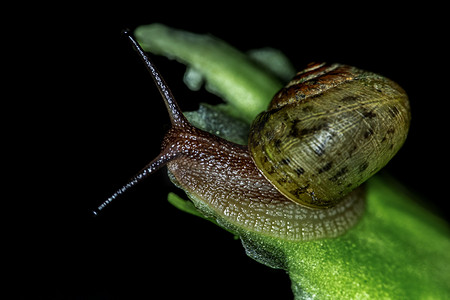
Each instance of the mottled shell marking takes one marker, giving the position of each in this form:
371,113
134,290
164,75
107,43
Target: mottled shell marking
328,131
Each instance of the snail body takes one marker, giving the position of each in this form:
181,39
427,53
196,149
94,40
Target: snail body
327,114
222,180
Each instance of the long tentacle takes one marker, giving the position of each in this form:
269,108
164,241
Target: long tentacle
176,116
153,166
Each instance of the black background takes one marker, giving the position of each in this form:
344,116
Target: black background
95,118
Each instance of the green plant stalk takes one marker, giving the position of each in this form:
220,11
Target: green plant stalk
399,250
228,72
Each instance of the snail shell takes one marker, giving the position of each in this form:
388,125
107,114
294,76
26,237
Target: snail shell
329,130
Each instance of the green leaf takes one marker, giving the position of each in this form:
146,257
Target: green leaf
274,61
184,205
216,120
399,250
227,71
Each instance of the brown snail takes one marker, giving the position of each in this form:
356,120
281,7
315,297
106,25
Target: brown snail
323,135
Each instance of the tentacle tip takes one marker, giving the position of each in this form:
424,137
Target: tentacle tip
126,32
94,212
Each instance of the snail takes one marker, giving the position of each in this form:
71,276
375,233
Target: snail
300,177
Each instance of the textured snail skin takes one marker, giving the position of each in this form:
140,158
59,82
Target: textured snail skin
222,180
329,130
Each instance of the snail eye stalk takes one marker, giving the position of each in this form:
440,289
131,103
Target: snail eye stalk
176,117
